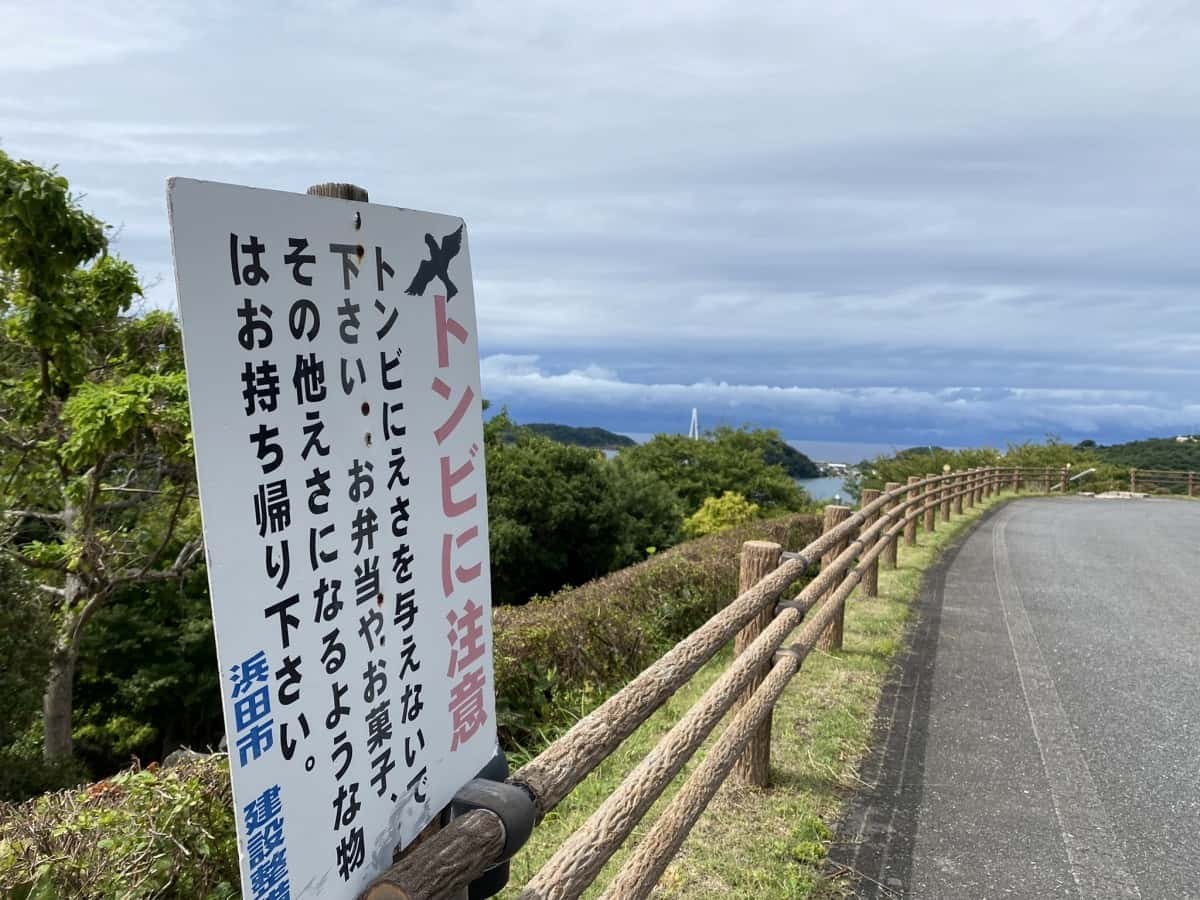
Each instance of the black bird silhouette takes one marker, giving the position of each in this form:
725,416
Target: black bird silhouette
438,264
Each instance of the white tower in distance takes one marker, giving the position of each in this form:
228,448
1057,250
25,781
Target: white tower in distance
694,428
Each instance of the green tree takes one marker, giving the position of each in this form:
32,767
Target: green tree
95,443
147,680
24,648
647,510
559,514
725,459
720,513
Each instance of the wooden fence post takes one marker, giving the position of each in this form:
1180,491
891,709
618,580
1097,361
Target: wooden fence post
1191,484
831,637
977,493
1018,482
890,554
930,511
910,525
1132,480
959,483
1063,480
945,493
870,578
759,559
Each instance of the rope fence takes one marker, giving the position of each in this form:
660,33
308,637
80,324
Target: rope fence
849,552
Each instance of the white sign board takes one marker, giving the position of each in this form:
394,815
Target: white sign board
333,368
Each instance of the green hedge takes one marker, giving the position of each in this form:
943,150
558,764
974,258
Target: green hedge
556,657
165,833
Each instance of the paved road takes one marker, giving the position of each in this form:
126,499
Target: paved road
1042,737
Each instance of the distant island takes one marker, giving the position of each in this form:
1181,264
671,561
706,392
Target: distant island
596,438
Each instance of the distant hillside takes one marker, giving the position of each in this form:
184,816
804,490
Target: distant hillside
795,463
598,438
1154,453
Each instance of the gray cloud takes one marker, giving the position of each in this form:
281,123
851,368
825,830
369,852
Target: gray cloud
874,203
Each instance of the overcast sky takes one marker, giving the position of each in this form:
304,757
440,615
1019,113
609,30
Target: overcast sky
900,223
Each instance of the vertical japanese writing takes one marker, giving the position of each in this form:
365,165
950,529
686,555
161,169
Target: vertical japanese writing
460,486
265,849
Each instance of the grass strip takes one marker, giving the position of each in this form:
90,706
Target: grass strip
771,843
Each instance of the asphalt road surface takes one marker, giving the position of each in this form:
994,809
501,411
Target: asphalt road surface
1042,736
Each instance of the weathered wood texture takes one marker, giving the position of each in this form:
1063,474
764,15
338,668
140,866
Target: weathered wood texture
577,863
831,638
556,771
339,190
645,866
891,554
446,863
758,559
930,499
647,863
870,578
910,527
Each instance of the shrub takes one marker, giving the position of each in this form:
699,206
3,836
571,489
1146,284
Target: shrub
558,655
156,833
719,514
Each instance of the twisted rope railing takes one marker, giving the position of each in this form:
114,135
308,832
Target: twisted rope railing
443,864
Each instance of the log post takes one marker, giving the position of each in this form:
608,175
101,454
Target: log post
960,481
1064,477
759,559
890,554
1132,480
910,525
977,493
831,637
1191,484
945,494
930,511
339,190
870,578
1018,480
